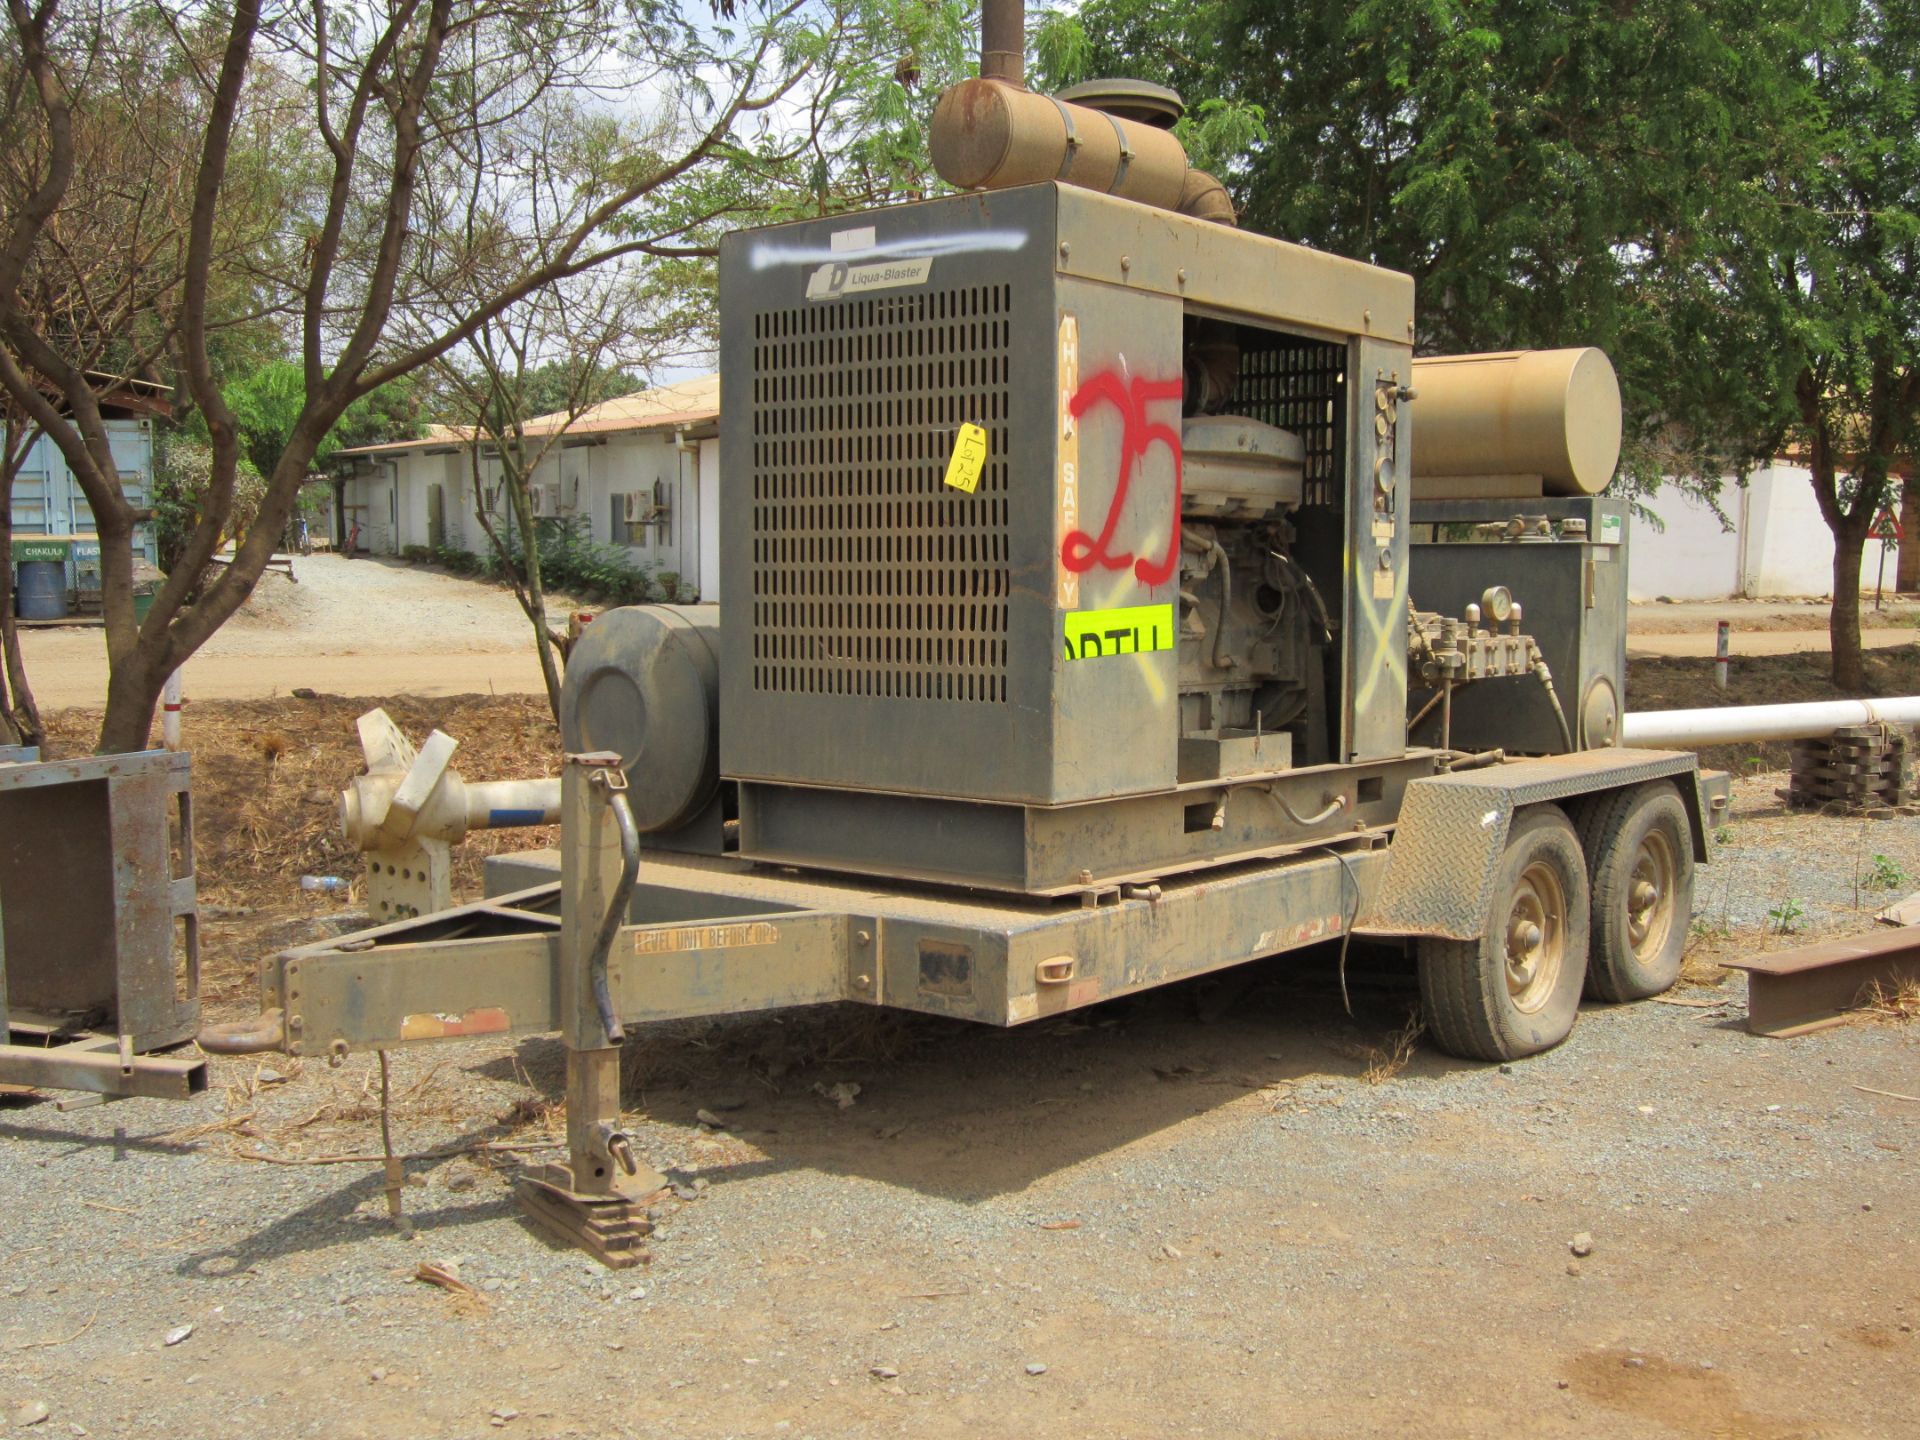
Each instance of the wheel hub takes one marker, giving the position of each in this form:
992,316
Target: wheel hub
1649,892
1535,937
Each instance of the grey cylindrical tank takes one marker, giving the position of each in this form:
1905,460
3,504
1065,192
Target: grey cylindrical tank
42,589
644,682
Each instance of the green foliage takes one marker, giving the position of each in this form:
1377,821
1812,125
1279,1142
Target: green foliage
456,560
1550,175
268,399
571,561
182,470
1888,874
1786,916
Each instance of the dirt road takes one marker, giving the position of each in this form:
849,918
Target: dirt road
1760,627
352,627
1700,644
379,627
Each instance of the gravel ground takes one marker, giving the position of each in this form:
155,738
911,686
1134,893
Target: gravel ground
1138,1221
1814,873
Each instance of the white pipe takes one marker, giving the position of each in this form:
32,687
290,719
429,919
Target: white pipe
1689,729
454,807
499,804
170,712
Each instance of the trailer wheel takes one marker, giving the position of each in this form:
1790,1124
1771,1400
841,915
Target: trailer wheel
1640,857
1516,990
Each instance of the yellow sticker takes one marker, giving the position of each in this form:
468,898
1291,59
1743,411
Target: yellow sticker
969,458
1132,630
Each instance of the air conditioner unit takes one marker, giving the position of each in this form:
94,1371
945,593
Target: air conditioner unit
635,507
546,500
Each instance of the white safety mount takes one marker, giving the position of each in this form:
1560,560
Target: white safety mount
410,809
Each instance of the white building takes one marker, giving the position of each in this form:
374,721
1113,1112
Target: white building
642,471
1772,542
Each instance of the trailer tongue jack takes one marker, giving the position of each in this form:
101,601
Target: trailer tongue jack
596,1197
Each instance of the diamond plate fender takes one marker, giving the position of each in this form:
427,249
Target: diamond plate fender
1452,828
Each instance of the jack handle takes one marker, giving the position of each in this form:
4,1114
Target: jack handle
264,1033
616,785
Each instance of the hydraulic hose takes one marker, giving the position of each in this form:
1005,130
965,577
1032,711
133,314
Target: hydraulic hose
1546,680
616,914
1333,807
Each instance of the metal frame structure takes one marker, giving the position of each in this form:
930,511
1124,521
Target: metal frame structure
99,934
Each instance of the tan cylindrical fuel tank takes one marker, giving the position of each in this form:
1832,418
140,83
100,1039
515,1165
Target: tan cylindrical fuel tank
1550,413
988,135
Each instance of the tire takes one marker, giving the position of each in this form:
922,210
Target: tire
1516,991
1639,848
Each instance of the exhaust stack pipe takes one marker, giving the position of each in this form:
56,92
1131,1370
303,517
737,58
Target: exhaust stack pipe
993,133
1003,41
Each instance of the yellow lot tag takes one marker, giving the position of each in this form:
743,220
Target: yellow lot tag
1134,630
968,459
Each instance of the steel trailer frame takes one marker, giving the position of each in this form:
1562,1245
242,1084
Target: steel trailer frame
614,940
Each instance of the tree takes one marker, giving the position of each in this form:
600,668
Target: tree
1721,195
402,99
496,389
1550,174
19,714
268,399
1838,251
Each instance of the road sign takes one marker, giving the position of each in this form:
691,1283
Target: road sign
1886,526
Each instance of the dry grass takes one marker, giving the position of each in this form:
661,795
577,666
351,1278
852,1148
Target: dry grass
267,776
1387,1057
1700,963
1898,1003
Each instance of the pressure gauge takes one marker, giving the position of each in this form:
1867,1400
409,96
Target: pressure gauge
1497,604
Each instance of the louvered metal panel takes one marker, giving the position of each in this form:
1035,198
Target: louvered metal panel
870,576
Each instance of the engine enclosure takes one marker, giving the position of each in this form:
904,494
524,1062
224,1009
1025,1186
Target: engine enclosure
979,625
885,632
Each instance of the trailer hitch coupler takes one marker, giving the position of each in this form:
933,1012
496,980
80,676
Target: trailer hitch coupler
265,1032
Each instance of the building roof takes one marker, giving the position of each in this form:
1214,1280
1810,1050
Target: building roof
668,407
435,436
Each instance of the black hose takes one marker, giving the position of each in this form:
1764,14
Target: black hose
1333,807
616,915
1546,679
